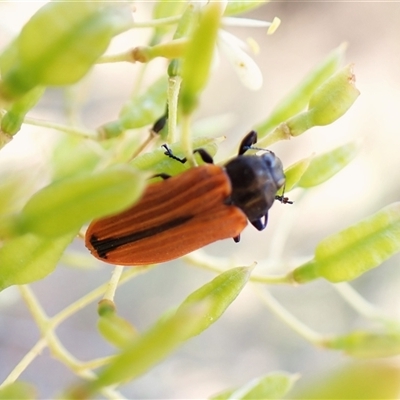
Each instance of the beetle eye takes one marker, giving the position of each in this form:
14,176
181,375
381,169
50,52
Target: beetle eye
269,159
275,168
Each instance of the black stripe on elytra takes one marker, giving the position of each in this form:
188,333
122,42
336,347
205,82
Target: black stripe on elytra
104,246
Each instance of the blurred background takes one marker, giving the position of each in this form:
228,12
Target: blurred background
248,341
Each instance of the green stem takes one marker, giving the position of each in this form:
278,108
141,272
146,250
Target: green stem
92,296
35,308
220,265
187,140
81,132
113,283
360,304
25,362
281,132
174,84
289,319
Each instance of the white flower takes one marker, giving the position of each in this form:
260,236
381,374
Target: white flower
246,68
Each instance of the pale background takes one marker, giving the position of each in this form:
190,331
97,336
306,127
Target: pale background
248,341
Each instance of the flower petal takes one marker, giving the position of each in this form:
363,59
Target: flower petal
244,65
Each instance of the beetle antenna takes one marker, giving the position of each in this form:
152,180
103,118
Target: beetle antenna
282,198
257,148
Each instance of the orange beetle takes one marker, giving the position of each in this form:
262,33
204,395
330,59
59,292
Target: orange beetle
186,212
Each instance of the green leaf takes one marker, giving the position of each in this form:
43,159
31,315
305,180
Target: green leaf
86,155
59,44
140,111
13,119
184,29
272,386
299,97
367,344
29,257
151,347
65,205
295,173
324,166
200,309
18,391
116,330
16,186
198,56
220,292
164,9
350,253
328,103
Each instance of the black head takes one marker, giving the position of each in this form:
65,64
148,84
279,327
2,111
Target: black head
255,181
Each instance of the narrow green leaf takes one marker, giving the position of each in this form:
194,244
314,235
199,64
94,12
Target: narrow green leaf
198,56
348,254
272,386
186,24
140,111
16,186
220,292
187,21
29,257
116,330
151,347
86,155
328,103
367,344
13,119
295,173
164,9
65,205
195,314
324,166
18,391
59,44
299,97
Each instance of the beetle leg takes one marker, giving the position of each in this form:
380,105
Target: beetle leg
260,224
205,156
160,123
237,238
247,142
169,153
162,175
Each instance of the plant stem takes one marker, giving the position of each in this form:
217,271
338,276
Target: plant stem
219,265
113,283
92,296
187,140
360,304
288,318
81,132
174,84
24,363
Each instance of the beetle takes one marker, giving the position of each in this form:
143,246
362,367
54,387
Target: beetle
183,213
